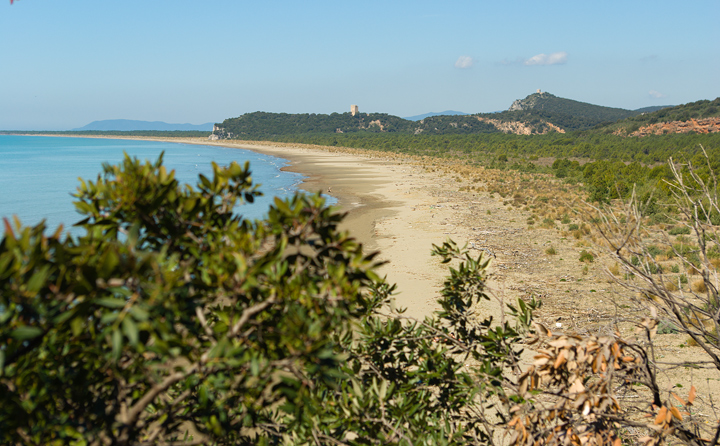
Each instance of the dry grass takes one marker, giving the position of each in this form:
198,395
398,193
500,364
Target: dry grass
715,263
671,285
699,286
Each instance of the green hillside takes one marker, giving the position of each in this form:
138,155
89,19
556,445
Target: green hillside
263,124
684,112
565,113
533,112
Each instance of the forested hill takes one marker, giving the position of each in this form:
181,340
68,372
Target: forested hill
263,124
567,114
554,105
538,113
705,113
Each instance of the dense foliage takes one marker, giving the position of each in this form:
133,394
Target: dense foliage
684,112
176,321
263,124
173,321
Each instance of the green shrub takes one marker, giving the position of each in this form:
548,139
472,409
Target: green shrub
176,318
678,230
586,257
666,327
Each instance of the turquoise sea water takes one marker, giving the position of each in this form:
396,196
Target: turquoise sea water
38,174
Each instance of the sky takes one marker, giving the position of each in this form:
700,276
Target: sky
64,64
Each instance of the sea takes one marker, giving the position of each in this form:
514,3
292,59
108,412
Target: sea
39,174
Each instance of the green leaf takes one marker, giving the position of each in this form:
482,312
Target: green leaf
38,279
203,394
131,330
108,318
77,325
139,314
25,332
111,302
109,261
116,343
205,182
282,206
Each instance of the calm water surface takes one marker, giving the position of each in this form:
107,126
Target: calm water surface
38,174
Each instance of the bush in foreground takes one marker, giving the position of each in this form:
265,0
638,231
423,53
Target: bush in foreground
173,320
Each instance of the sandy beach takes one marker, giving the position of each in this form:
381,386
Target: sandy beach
387,211
400,207
393,206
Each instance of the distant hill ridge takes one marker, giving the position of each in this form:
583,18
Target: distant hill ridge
131,125
538,113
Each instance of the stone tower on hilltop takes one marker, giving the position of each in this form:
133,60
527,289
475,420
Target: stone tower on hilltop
354,110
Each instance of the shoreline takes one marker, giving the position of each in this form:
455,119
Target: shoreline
385,210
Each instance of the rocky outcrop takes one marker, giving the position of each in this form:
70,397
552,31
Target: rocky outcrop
529,102
704,125
522,128
219,133
377,123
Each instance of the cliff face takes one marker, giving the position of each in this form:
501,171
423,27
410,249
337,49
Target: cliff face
704,125
522,128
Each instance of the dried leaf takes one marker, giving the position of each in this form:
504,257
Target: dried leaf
646,440
559,343
560,359
676,413
674,395
660,418
577,386
693,393
543,329
523,386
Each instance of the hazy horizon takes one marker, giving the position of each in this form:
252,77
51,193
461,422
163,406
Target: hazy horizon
67,64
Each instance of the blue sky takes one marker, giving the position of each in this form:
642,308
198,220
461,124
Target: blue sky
66,63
